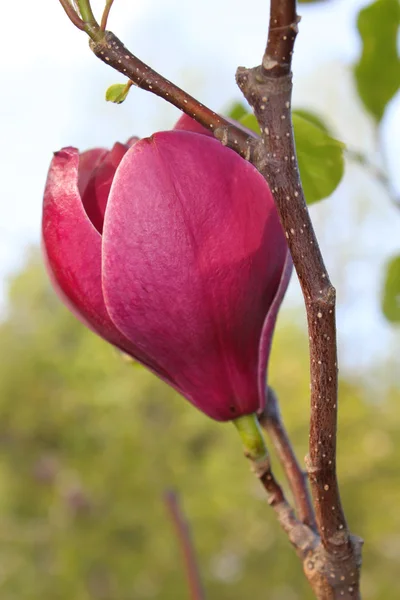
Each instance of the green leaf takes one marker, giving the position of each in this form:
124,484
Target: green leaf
117,93
320,159
391,291
250,122
236,111
320,156
378,71
312,118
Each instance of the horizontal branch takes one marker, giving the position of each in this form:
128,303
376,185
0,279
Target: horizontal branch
112,51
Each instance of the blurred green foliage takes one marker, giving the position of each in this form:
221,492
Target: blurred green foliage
377,72
391,291
89,443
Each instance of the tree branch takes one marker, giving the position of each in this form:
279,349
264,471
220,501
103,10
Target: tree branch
72,14
271,421
268,90
282,32
300,535
278,164
186,546
112,51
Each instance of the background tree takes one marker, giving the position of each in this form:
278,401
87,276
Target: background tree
87,456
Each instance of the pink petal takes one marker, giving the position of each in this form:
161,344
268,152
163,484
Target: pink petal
193,253
132,141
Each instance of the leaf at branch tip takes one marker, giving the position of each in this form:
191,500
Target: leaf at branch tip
117,93
320,156
377,72
391,291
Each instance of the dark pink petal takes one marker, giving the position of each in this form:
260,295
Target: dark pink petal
95,194
72,252
88,161
71,243
72,249
269,326
193,254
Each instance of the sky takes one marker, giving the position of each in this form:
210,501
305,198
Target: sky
53,95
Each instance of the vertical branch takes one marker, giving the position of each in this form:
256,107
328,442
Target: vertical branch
268,90
278,54
186,546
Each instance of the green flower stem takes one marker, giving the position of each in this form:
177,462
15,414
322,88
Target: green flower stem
92,27
252,438
86,11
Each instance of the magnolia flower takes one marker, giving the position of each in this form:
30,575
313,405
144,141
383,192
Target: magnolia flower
171,249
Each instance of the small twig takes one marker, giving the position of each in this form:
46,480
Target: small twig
183,534
271,421
376,172
300,535
82,17
255,449
106,12
72,14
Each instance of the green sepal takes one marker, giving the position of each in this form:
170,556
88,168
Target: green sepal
252,437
